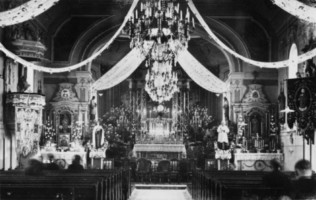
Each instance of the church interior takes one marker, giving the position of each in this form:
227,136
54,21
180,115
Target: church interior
157,99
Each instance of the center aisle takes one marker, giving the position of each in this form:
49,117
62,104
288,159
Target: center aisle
160,192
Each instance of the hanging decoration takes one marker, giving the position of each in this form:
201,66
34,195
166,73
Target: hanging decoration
121,71
25,12
72,67
302,58
293,61
278,64
200,74
164,28
297,9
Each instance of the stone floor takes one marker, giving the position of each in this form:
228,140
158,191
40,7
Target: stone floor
160,192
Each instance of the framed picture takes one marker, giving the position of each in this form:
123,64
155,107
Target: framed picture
63,140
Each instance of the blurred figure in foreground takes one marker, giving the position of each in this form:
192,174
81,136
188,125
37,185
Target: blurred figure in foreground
76,166
304,187
35,168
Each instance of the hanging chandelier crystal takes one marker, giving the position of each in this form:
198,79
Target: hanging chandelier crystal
159,30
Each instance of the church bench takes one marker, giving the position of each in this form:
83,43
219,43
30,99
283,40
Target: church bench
227,184
113,185
40,187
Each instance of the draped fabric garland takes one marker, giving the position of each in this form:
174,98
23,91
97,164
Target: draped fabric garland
279,64
25,12
284,3
72,67
121,71
297,9
199,73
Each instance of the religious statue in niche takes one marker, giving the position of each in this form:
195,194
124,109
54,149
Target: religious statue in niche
65,123
98,136
255,124
303,99
226,109
222,138
93,108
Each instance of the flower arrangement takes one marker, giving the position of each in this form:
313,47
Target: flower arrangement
120,126
194,122
77,133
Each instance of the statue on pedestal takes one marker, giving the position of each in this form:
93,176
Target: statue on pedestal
93,108
222,139
98,136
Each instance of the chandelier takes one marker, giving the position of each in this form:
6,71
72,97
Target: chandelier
159,30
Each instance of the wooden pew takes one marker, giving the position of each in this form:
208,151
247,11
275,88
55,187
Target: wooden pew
92,184
227,184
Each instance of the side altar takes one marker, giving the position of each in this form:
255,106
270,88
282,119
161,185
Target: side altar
66,122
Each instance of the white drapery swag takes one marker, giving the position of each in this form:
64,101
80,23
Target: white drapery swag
80,64
298,9
25,12
199,73
278,64
121,71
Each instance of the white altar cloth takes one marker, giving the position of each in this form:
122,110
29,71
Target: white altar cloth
256,161
179,148
67,156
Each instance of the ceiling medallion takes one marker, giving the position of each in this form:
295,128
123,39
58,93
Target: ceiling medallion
159,29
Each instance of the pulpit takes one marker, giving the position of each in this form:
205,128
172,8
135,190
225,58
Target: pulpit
25,125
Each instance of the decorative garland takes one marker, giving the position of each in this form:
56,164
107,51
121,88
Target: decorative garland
38,6
121,71
72,67
25,12
199,73
297,9
279,64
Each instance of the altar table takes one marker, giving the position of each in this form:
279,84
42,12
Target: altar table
178,149
67,156
256,161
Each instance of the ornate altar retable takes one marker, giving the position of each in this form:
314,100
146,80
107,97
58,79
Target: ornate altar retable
256,161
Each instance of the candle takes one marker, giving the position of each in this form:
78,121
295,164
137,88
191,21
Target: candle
193,22
136,14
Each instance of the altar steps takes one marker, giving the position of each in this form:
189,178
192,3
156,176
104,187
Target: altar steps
160,192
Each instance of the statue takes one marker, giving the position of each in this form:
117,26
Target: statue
98,136
302,100
93,108
65,127
223,131
226,109
23,85
310,68
255,125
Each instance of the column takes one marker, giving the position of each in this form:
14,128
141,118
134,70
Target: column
2,131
